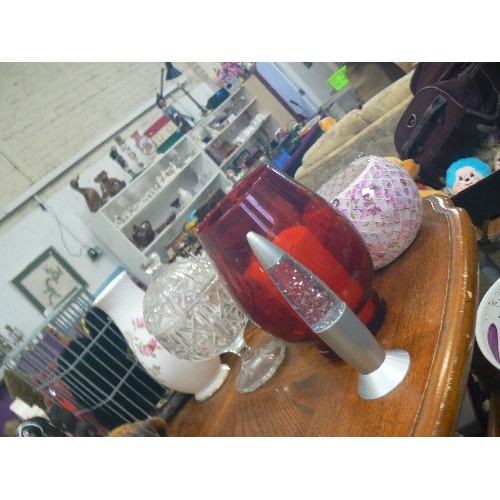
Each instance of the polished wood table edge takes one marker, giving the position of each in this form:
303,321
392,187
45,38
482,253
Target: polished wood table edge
438,415
312,397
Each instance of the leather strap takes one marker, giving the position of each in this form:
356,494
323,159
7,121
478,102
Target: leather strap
428,115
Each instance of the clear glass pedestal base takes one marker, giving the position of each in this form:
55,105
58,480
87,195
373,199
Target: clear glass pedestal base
258,365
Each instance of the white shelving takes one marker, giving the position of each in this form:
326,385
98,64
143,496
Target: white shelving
231,115
178,182
241,125
172,188
250,132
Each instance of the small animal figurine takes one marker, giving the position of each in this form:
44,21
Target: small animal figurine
90,195
465,172
109,186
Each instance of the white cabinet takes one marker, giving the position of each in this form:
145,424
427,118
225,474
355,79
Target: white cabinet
164,196
241,128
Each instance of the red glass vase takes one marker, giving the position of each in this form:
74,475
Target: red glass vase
308,228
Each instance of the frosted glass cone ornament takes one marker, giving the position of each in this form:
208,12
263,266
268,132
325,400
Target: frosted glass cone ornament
380,371
382,201
122,301
190,312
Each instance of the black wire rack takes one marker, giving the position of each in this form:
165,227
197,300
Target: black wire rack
78,359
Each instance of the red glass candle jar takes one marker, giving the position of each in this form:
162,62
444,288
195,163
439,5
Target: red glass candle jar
308,228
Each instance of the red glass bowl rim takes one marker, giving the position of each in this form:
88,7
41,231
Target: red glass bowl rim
237,193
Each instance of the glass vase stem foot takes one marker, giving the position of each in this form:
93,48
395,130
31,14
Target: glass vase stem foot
258,365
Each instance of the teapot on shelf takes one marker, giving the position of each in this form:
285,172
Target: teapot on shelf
143,234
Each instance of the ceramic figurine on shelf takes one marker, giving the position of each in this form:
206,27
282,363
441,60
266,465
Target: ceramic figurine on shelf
128,151
144,143
109,186
178,118
143,234
185,196
167,221
90,195
115,155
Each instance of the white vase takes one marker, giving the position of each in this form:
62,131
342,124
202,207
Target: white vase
122,301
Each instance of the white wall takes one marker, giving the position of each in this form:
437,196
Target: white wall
64,226
34,234
115,93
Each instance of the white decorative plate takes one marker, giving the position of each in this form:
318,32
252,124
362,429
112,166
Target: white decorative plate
488,325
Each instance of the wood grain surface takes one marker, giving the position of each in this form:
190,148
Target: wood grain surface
431,294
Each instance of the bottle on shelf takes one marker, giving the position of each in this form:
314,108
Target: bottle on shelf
115,155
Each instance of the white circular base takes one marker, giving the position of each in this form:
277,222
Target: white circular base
386,377
214,385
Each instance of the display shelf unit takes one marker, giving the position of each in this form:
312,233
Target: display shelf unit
181,180
132,201
246,138
215,124
165,195
238,129
202,193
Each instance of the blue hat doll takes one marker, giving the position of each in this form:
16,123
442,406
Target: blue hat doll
465,172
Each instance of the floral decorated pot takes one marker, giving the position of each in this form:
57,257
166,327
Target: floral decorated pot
122,300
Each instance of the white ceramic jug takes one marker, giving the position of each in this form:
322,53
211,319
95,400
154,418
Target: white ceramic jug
122,301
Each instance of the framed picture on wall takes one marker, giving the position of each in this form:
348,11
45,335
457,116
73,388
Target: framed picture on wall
48,280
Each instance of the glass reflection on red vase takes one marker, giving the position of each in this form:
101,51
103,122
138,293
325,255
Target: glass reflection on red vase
308,228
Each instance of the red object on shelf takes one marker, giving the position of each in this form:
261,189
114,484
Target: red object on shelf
157,125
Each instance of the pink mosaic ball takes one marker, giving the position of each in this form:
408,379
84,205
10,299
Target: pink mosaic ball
382,201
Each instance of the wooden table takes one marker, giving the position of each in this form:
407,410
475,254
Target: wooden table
431,294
